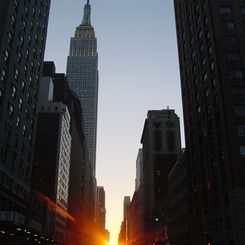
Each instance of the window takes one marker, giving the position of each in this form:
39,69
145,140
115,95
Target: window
27,54
21,40
22,86
238,91
3,75
11,110
15,4
29,39
19,56
233,56
24,25
10,36
242,150
241,130
12,20
28,97
24,129
205,77
31,24
33,12
20,103
6,55
225,9
13,92
239,110
200,34
157,140
230,40
1,95
236,73
26,10
229,24
243,10
170,140
16,75
25,70
18,122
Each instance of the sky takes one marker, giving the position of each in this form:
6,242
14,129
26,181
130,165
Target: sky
138,71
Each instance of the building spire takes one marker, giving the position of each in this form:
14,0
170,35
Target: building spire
87,13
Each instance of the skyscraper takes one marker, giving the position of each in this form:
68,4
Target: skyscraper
23,30
161,148
82,74
212,55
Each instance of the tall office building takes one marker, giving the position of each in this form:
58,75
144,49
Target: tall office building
212,61
161,148
82,74
23,30
52,157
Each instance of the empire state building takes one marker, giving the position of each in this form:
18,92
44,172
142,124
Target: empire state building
82,74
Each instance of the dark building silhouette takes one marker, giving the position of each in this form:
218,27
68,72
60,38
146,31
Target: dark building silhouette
102,233
100,209
122,234
136,215
161,149
123,238
178,203
23,29
78,183
212,55
75,221
51,170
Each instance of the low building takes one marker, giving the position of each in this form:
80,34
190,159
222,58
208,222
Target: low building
179,208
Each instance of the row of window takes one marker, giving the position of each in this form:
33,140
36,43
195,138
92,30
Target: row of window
227,10
232,57
237,73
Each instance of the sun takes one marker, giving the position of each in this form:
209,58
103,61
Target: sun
111,243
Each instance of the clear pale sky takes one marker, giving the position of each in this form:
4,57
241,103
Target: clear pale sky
138,70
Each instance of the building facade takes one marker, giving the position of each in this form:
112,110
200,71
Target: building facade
23,28
136,218
161,149
54,90
100,219
51,170
212,61
139,170
82,73
100,209
178,203
136,213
